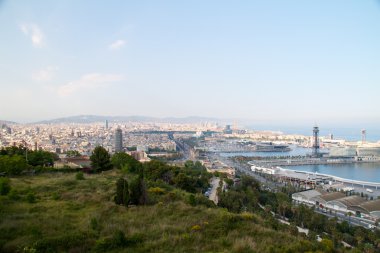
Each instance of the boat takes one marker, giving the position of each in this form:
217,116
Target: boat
270,147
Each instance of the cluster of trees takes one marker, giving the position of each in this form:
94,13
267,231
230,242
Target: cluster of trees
248,196
133,193
123,161
14,160
191,178
241,197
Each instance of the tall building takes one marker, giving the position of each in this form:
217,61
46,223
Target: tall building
227,129
364,136
118,140
106,124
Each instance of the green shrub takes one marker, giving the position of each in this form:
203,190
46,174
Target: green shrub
94,224
30,197
5,185
122,192
191,200
14,195
79,176
156,190
55,196
200,199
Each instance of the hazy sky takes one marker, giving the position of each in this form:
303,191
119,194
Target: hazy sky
291,61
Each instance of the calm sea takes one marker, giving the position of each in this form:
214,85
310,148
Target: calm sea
357,171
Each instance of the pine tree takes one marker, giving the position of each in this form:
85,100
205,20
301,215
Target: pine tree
122,192
100,159
138,193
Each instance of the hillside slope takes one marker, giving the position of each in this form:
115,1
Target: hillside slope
57,213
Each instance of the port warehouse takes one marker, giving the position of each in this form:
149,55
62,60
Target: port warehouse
337,201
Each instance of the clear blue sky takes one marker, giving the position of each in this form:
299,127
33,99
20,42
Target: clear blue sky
284,61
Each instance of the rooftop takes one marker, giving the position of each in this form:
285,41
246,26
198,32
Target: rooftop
309,194
351,200
371,206
332,196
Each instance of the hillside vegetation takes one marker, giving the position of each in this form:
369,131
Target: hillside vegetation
154,207
57,213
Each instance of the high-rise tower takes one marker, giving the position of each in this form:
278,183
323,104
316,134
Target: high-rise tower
315,152
106,123
118,140
364,136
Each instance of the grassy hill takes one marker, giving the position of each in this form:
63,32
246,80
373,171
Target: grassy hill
57,213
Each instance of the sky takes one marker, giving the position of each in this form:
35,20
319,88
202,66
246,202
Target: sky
278,62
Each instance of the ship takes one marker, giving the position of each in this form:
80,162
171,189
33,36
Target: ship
368,150
270,147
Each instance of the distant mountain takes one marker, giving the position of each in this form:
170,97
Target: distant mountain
7,122
120,119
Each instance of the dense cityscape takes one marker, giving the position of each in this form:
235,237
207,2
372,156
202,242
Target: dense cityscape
190,126
272,158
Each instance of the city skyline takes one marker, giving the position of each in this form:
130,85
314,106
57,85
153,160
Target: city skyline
268,62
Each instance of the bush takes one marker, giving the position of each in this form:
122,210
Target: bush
13,195
122,192
55,196
30,197
79,176
5,186
94,224
196,228
156,190
192,200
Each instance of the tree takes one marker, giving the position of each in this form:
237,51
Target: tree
349,214
232,200
121,160
100,159
41,158
189,164
12,165
137,189
122,192
13,150
185,182
72,153
155,170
